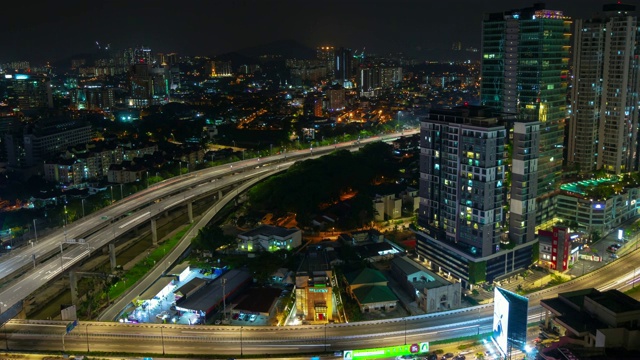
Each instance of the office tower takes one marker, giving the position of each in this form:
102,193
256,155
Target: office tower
604,98
142,55
390,76
44,139
336,95
342,70
28,92
463,194
313,105
525,64
149,85
220,68
326,55
92,97
524,181
370,81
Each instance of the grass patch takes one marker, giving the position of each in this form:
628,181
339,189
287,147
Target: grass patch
140,269
633,291
473,338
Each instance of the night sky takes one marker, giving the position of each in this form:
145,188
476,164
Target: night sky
50,30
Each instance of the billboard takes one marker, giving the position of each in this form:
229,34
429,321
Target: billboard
500,319
509,320
386,352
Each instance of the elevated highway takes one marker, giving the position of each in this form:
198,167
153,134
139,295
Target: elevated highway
27,269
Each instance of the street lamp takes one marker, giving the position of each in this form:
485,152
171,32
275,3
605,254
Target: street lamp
86,334
35,230
111,187
241,351
121,195
325,336
83,208
147,179
4,326
405,331
162,338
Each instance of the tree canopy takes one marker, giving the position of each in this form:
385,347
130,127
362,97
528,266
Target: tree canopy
310,184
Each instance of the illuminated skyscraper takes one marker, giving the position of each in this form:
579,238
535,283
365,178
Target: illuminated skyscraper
525,65
603,127
343,66
461,216
26,91
326,55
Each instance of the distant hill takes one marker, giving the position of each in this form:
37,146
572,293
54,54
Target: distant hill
288,49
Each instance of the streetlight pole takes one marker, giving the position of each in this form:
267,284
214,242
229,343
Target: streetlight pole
121,196
4,326
83,208
162,338
111,187
35,230
241,351
325,337
405,331
61,261
147,179
86,334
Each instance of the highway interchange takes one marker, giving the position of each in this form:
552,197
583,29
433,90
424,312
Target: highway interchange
177,339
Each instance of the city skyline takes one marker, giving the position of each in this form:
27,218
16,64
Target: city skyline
424,30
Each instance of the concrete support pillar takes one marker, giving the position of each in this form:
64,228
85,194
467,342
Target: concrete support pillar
112,255
73,284
190,211
219,194
154,232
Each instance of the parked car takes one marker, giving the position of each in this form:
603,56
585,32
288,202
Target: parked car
253,318
241,317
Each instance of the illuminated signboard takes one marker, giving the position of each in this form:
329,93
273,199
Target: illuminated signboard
318,290
386,352
500,319
509,320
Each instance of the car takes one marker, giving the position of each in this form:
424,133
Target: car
253,318
614,256
246,318
235,316
241,317
617,246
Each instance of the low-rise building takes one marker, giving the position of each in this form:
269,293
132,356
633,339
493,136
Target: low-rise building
369,288
314,290
387,207
431,292
258,301
593,319
557,250
598,214
269,238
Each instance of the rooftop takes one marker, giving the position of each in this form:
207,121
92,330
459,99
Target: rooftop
374,294
258,300
580,186
268,230
365,276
